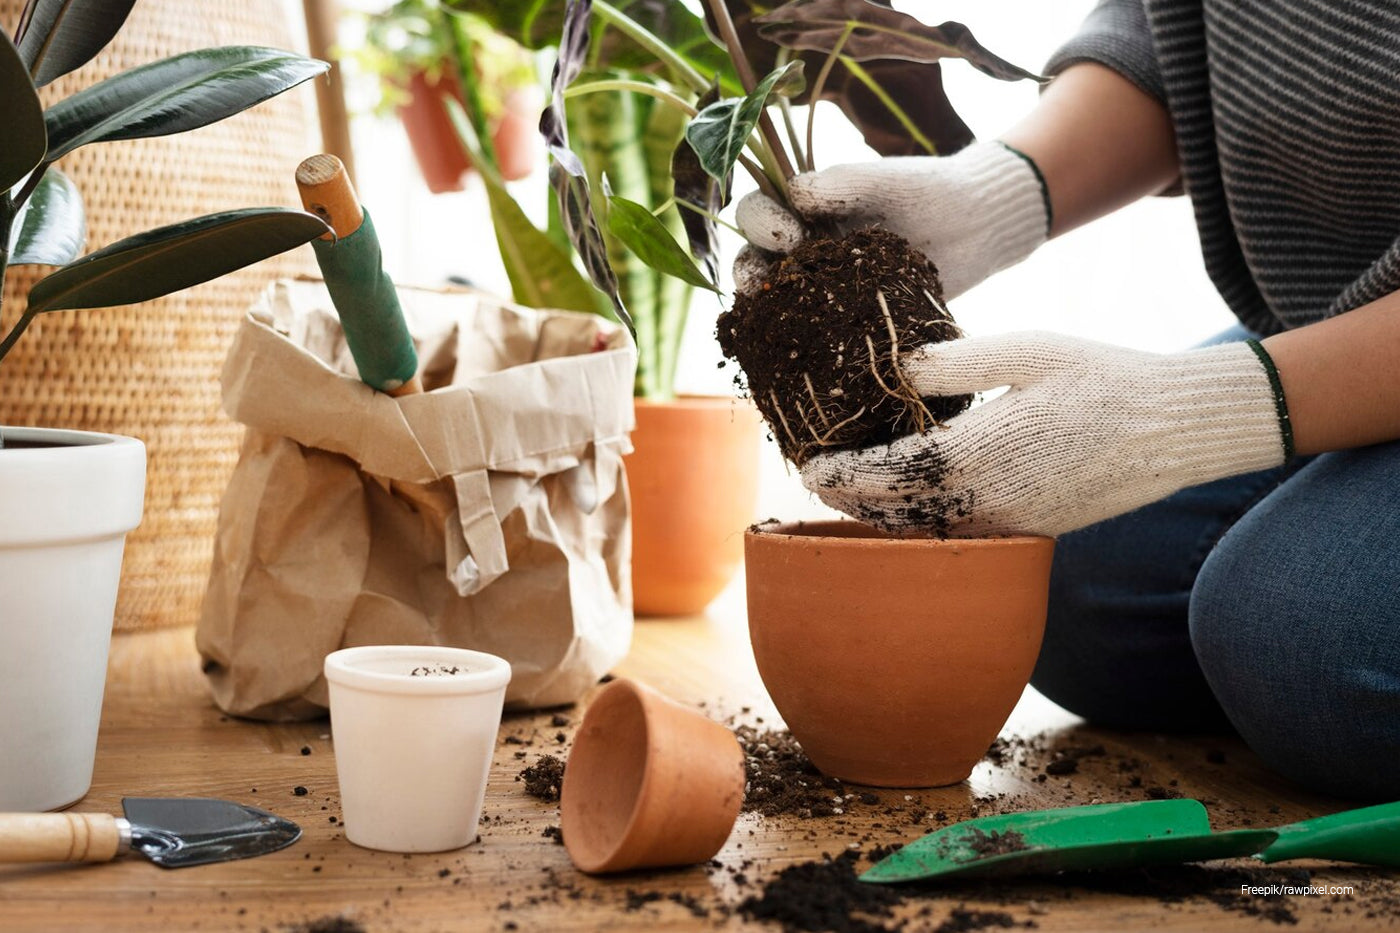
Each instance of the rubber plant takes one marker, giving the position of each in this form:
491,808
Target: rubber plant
819,385
42,219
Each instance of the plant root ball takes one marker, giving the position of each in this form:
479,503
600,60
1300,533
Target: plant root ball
819,342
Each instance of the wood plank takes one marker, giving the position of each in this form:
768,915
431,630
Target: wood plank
161,735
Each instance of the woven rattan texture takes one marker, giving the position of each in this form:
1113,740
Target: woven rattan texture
152,370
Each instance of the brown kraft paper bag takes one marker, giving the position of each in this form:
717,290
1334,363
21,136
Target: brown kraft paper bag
488,513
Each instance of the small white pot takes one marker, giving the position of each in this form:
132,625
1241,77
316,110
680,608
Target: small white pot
414,730
67,500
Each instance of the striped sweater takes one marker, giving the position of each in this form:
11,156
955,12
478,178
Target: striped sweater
1287,116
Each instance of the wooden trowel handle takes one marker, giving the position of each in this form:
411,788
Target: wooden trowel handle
59,837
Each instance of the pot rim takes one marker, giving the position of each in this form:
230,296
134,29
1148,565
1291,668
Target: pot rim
691,400
850,533
59,439
350,667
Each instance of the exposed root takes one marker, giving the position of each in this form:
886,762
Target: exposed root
778,409
811,390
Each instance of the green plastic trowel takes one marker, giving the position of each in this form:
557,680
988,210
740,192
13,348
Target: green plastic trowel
1132,835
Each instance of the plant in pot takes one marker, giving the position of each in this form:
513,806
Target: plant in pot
693,472
68,498
894,661
426,56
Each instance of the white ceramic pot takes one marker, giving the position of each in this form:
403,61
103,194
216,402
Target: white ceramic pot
67,500
414,730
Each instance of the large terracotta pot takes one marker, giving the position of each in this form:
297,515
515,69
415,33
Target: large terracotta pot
693,476
894,661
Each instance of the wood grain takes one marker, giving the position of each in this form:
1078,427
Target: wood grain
162,736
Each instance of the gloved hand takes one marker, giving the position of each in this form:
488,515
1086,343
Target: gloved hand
972,213
1085,432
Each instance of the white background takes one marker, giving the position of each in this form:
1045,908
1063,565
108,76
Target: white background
1135,278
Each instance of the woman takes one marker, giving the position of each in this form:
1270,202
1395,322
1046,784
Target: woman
1229,516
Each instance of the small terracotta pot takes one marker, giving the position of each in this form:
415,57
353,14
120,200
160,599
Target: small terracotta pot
693,477
894,661
649,783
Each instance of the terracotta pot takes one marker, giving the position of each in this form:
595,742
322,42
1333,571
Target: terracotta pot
693,476
650,783
894,661
439,153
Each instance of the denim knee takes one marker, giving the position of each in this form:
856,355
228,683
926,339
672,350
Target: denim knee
1293,624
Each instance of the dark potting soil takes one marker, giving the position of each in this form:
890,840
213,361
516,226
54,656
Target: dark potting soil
988,844
544,778
781,780
335,924
824,896
818,342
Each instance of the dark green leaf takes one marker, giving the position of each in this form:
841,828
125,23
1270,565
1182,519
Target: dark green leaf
51,227
866,31
167,259
720,131
700,198
174,95
58,36
648,237
915,87
538,24
541,272
21,115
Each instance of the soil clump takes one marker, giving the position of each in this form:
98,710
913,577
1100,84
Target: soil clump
819,340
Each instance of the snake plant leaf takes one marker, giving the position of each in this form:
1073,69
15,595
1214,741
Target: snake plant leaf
866,31
647,237
538,24
700,197
57,36
541,271
21,115
50,227
170,258
721,130
173,95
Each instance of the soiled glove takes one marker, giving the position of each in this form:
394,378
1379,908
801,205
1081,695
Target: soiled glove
1085,432
973,213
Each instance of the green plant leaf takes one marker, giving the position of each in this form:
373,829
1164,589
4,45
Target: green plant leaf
648,238
167,259
21,115
180,93
872,32
538,24
541,271
57,36
720,131
50,227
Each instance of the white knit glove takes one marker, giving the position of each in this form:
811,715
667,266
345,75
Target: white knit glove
1085,432
972,213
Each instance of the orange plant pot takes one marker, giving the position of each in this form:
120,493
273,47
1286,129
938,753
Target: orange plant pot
649,783
439,153
894,661
693,476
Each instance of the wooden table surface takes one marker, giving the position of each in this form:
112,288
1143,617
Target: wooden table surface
161,735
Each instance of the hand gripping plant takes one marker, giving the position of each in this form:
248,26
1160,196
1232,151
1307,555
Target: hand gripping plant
817,333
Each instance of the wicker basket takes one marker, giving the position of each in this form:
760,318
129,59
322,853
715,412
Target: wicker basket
151,370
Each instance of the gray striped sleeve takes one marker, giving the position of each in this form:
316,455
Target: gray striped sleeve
1115,34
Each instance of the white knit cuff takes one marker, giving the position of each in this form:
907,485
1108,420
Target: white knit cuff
1013,206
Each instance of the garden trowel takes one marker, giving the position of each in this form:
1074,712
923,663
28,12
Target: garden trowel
1133,835
172,832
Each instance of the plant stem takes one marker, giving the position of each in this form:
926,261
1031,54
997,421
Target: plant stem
883,96
746,77
471,88
627,84
799,155
14,333
30,184
652,43
696,208
818,86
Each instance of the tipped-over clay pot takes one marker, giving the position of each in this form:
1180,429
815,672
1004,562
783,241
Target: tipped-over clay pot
649,783
894,661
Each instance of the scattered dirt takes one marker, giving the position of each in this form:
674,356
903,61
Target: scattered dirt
782,781
986,845
544,778
824,896
328,925
818,343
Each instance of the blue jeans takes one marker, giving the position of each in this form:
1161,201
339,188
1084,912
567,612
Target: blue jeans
1268,602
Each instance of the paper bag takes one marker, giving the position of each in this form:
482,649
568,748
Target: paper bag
488,513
